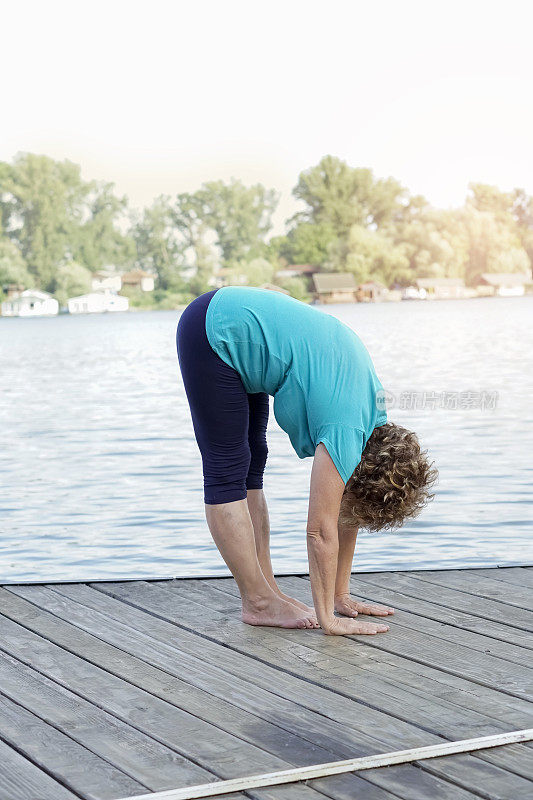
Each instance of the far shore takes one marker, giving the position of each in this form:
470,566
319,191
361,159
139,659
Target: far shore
181,307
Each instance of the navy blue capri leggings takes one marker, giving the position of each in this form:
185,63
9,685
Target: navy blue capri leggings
229,424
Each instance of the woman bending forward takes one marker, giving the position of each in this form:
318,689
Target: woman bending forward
238,345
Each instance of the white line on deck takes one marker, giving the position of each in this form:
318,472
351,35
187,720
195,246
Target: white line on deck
337,767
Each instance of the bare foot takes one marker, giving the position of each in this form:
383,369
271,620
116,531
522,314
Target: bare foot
278,613
309,610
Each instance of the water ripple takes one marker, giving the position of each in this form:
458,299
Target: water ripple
101,475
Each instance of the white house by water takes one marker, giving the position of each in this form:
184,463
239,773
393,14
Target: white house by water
106,278
30,303
97,303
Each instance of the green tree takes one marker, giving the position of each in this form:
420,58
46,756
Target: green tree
306,243
369,255
13,270
53,216
189,217
157,243
240,215
522,212
297,287
435,244
99,240
507,220
231,218
341,196
255,272
71,280
42,203
492,244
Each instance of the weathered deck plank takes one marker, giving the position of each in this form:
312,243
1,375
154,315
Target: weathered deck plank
273,740
20,779
516,620
429,618
142,758
208,605
427,682
207,618
522,576
491,671
60,755
369,688
114,689
484,586
497,632
219,752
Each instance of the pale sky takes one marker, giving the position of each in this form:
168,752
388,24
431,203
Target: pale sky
158,97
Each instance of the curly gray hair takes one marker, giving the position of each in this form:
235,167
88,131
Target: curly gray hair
391,483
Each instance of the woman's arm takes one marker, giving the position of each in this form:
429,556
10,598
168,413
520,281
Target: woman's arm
325,495
344,603
347,540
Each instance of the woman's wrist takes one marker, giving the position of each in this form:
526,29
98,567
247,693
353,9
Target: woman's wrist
342,593
331,625
347,538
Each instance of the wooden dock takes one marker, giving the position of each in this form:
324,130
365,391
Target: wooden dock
111,690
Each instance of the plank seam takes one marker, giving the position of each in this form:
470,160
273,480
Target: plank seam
374,587
56,727
472,613
271,690
130,579
502,576
359,700
477,593
44,770
115,716
405,591
425,615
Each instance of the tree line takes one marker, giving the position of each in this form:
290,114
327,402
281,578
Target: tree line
57,229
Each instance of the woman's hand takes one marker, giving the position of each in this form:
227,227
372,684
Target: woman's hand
350,607
349,627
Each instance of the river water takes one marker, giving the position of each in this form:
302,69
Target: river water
101,476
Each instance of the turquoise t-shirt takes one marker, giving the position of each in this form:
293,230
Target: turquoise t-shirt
319,372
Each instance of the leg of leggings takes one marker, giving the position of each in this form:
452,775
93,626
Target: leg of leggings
222,435
219,409
258,420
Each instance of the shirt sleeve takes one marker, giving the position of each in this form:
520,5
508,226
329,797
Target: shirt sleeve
345,446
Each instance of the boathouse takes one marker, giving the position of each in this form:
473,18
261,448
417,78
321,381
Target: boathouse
97,303
504,284
139,279
442,288
334,287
